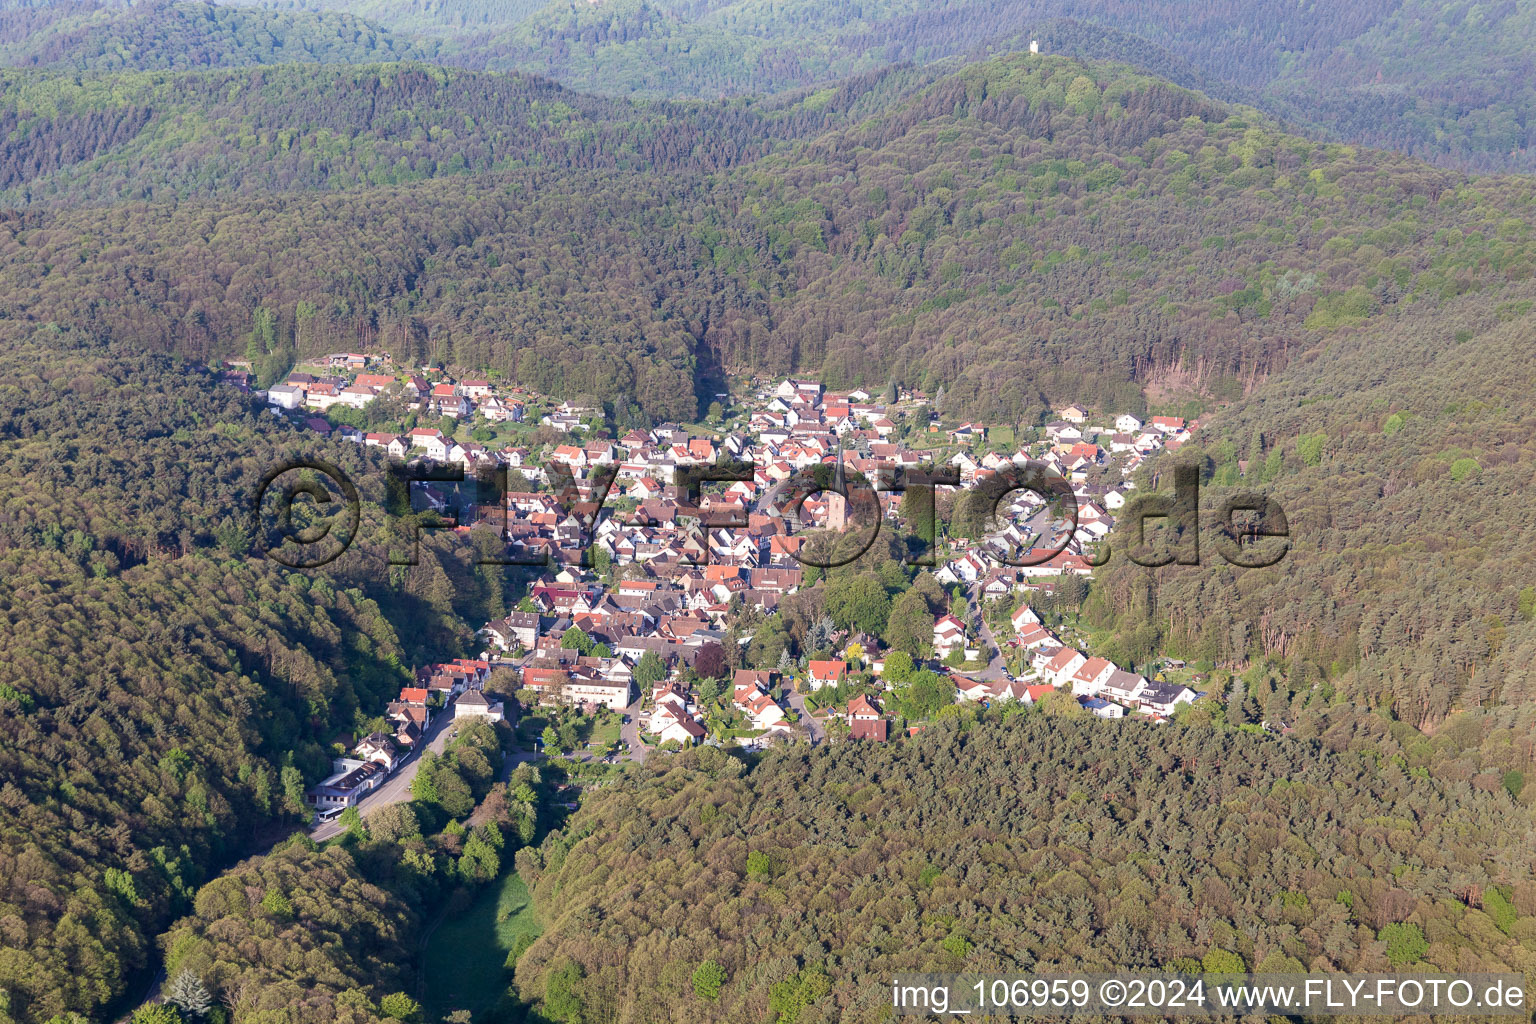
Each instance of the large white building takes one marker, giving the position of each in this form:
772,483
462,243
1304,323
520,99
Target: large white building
349,781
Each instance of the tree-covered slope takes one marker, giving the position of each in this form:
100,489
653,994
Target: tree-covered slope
164,693
70,138
91,36
1402,453
1447,80
1025,231
1013,846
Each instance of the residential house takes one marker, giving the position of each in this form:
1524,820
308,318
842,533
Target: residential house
967,689
948,635
379,748
1032,694
1060,668
1022,617
1162,698
1101,707
1090,677
285,396
520,629
431,441
475,704
1124,687
826,673
615,694
865,721
759,708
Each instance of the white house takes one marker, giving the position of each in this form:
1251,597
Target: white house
758,707
1023,616
1091,676
350,780
1162,698
948,635
1101,707
475,704
1124,687
684,730
285,396
431,441
1125,423
1060,669
520,629
356,396
378,748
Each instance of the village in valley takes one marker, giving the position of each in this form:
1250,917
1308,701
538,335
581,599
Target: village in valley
671,613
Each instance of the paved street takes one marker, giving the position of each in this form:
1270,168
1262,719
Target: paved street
398,788
629,734
994,669
813,728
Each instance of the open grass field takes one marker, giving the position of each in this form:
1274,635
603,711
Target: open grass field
464,960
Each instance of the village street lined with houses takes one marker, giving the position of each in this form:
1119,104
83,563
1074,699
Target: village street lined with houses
678,609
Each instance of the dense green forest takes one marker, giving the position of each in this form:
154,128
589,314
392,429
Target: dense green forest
1026,231
163,694
1400,452
305,936
1016,845
1446,80
1021,232
92,36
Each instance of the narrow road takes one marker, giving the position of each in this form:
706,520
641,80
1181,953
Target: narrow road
813,728
629,733
995,668
398,788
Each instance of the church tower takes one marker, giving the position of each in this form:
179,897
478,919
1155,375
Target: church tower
837,504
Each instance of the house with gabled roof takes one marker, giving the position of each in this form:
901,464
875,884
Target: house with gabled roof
1022,617
968,689
865,721
1163,698
1032,694
821,674
948,635
1125,687
1063,665
431,441
1090,676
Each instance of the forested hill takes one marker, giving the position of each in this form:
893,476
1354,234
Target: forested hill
1025,231
162,34
163,694
1019,844
1402,452
1446,80
69,138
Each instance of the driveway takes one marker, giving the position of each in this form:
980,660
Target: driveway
398,788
